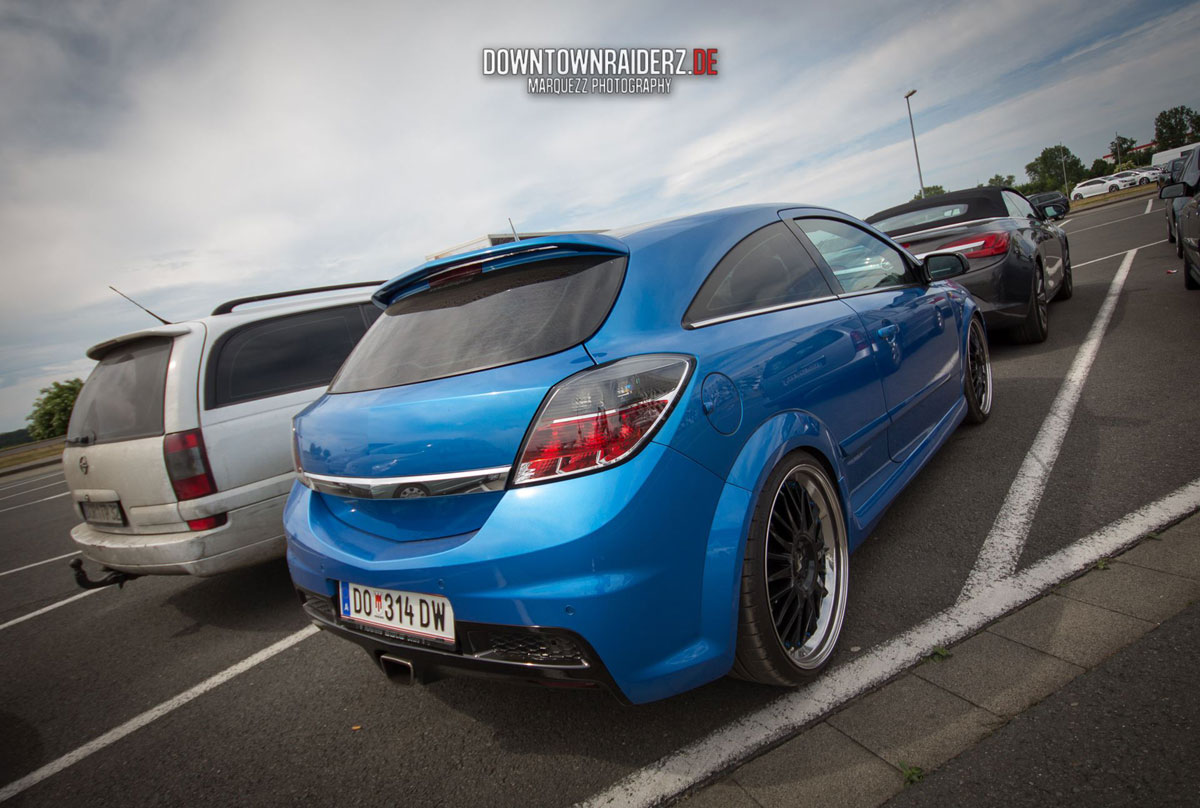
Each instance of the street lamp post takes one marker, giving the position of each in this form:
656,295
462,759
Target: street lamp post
913,129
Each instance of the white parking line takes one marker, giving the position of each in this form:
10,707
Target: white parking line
39,563
35,502
1149,204
31,490
50,608
1005,541
737,741
1114,255
1106,224
1063,223
28,480
137,722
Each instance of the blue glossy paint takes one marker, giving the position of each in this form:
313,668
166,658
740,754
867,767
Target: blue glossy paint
660,537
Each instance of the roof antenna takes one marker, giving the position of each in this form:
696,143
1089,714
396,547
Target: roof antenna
140,306
510,225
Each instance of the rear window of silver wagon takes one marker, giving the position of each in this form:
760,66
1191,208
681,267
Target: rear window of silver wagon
492,319
123,398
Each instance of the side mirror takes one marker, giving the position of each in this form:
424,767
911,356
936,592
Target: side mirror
1050,210
940,266
1173,191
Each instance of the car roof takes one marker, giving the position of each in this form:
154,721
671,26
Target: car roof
219,323
987,197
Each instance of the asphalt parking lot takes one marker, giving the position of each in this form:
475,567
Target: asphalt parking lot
317,722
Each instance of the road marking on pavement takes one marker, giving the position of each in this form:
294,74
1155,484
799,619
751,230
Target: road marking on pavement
49,608
734,743
1080,213
1106,224
1149,204
1005,541
137,722
39,563
31,490
35,502
1115,255
1063,223
29,480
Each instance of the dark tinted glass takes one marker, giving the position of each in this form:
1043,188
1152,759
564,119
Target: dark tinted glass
488,320
123,398
767,268
1191,170
858,259
282,355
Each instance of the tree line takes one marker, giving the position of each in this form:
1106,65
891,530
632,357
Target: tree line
1058,169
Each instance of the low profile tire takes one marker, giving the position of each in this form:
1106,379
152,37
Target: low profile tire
1113,188
794,576
1067,290
1037,321
977,386
1077,197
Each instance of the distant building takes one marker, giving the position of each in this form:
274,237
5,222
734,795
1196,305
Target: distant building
1142,147
493,239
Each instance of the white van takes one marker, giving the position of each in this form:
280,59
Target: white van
1163,157
179,447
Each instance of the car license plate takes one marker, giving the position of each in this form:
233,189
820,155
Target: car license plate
103,513
414,613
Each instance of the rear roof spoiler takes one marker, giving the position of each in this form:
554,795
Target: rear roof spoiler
498,257
98,350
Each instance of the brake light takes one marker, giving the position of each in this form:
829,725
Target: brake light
601,416
980,246
187,464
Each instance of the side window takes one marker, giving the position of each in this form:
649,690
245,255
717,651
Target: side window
1191,170
858,259
282,355
769,268
1017,206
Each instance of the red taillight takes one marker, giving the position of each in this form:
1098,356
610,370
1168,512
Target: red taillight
980,246
187,464
601,416
207,523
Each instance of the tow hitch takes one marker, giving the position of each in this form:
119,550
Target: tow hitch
113,577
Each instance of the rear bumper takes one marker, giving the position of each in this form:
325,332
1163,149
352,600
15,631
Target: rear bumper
616,558
576,665
251,535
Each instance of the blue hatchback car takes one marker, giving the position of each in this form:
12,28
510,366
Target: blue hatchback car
636,460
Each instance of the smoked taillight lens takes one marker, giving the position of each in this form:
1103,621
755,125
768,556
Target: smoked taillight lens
980,246
187,464
600,416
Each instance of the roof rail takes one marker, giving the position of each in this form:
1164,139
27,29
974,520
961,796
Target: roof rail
230,305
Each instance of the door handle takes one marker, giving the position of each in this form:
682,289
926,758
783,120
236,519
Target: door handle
888,332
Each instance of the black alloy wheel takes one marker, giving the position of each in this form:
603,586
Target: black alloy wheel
794,576
978,383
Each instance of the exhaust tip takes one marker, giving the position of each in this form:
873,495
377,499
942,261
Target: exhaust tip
397,670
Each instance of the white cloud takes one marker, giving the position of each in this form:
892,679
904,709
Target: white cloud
268,146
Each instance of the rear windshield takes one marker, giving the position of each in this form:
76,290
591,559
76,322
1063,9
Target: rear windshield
123,398
931,216
493,319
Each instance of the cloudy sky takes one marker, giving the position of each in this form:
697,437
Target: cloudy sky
191,152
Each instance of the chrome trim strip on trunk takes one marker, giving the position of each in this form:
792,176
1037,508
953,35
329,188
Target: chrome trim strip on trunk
475,481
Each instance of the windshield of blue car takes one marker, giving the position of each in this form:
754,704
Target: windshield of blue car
484,321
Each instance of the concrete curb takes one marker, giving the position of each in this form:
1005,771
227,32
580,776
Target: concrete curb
32,464
874,746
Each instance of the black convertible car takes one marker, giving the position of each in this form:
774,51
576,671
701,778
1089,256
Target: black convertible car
1019,261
